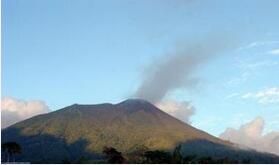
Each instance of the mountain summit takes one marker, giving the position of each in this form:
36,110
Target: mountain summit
84,130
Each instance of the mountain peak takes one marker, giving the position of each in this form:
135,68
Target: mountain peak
136,104
135,101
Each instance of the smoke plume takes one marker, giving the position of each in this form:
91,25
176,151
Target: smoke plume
175,70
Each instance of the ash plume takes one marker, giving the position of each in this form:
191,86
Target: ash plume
175,70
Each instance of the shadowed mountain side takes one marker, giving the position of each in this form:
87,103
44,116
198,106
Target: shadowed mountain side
83,130
44,148
204,148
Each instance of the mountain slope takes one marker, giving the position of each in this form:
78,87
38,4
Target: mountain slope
83,130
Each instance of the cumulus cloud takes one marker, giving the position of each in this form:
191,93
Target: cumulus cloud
181,110
266,96
14,110
176,69
251,135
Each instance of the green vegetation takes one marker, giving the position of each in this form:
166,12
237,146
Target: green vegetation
163,157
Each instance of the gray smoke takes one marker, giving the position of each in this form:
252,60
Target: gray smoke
175,70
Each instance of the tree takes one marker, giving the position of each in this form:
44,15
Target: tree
177,157
114,157
11,148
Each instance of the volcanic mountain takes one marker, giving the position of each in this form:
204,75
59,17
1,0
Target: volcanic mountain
83,130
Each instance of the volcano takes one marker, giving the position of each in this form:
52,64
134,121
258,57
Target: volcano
84,130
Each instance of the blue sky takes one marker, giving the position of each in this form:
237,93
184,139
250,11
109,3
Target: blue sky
90,51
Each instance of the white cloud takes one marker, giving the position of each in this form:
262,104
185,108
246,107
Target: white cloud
258,43
251,135
274,52
266,96
260,64
181,110
14,110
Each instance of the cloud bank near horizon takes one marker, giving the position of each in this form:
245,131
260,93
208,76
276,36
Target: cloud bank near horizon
15,110
251,135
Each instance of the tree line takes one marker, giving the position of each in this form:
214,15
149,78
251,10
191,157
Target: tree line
140,155
144,156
